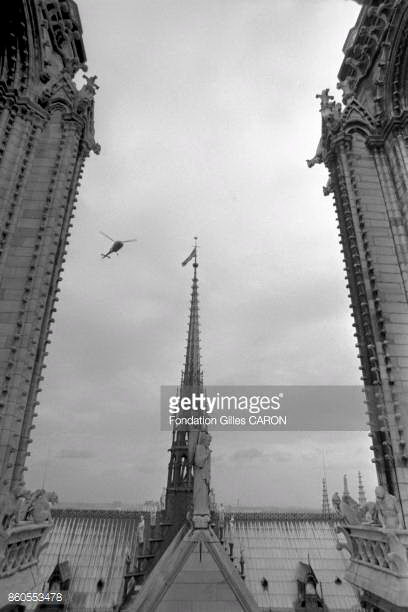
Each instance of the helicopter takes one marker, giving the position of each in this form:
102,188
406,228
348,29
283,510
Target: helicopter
116,246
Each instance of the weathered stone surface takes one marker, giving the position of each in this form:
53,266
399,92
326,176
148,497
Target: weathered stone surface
46,132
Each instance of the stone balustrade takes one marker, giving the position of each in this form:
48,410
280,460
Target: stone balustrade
378,563
20,547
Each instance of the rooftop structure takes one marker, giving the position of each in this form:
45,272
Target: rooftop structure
272,546
97,548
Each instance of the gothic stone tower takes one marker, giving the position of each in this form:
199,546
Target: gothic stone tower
46,132
179,494
364,145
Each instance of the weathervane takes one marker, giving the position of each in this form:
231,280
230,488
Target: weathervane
193,255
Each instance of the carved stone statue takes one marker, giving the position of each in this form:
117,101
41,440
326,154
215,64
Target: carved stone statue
347,509
202,477
140,531
52,497
23,505
350,510
387,508
163,499
40,509
328,188
90,86
369,513
348,88
231,526
336,501
318,158
212,500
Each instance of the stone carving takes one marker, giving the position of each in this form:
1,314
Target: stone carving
202,477
369,513
23,505
231,526
40,508
163,499
350,510
397,556
348,88
332,115
65,33
7,509
346,543
361,53
318,157
328,188
336,502
387,508
212,500
141,530
20,505
383,512
90,88
326,100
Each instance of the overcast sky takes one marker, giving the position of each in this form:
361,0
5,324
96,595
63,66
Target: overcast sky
206,113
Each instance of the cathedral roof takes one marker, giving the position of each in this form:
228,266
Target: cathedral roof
97,545
273,545
195,574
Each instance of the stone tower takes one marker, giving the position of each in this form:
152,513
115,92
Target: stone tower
179,493
365,148
46,133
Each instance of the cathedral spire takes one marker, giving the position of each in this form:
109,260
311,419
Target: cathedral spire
180,478
362,500
192,374
325,499
345,486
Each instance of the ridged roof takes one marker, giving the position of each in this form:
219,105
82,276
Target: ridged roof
272,547
95,543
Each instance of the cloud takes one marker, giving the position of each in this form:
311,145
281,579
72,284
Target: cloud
247,455
68,453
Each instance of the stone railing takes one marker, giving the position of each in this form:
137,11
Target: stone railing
378,562
20,547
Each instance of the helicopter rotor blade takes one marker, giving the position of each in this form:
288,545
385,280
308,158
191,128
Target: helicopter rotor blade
131,240
106,236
